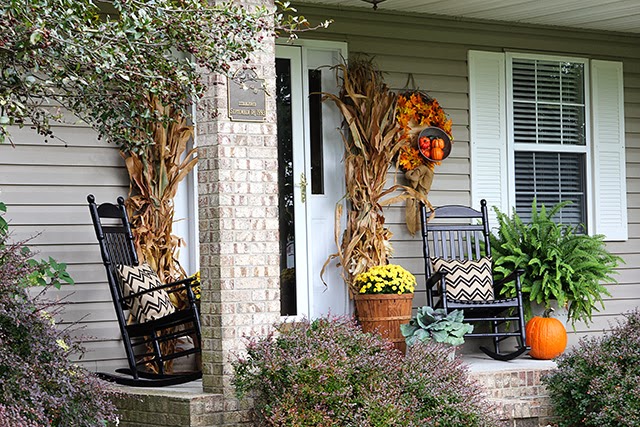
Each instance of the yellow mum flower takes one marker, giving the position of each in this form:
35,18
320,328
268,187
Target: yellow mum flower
385,279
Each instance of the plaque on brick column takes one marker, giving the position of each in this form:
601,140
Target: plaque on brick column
247,97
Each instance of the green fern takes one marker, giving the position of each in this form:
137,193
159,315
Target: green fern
560,263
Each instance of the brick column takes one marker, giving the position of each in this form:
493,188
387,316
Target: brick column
238,198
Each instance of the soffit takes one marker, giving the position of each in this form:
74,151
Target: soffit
600,15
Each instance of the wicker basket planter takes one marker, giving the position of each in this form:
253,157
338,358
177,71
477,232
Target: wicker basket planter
384,313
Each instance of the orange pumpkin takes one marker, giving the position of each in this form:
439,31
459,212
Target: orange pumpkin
437,153
546,336
438,142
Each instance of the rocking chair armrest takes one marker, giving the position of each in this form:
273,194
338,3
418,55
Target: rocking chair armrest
514,275
185,283
435,278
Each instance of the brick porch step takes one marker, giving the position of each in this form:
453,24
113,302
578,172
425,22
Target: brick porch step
515,388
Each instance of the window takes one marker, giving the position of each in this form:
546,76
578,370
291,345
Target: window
552,128
548,115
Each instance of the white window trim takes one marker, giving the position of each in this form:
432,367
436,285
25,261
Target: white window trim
586,149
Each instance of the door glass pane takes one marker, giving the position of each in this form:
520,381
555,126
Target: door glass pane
315,131
285,189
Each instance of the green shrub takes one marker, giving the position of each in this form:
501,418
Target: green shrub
597,383
560,262
329,373
39,386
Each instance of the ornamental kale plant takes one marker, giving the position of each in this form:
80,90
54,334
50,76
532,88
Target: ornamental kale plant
597,383
437,325
39,386
329,373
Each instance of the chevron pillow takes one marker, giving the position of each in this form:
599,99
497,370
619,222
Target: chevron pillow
149,306
466,280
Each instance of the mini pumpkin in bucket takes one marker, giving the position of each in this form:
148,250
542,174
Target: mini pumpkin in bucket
434,144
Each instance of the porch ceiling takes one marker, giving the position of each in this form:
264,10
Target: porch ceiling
601,15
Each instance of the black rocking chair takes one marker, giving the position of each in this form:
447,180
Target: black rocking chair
142,341
458,277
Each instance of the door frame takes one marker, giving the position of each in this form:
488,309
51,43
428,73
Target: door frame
300,132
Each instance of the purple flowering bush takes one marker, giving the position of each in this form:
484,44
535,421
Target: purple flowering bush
597,383
39,386
327,372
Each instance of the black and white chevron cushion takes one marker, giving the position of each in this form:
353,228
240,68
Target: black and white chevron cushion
467,280
149,306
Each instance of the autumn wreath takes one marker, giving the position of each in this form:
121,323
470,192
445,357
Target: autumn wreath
416,111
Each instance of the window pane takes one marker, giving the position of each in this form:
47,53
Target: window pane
524,123
524,79
573,125
548,81
573,83
548,102
549,124
551,178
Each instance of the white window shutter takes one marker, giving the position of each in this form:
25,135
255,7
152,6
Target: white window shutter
488,131
609,175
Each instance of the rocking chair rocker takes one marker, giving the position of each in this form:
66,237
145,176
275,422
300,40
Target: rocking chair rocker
459,277
165,323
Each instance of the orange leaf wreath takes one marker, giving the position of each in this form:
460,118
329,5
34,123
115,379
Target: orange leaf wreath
416,111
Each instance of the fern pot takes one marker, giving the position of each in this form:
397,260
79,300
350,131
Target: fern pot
384,313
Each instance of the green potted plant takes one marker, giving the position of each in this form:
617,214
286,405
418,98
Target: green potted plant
560,261
437,325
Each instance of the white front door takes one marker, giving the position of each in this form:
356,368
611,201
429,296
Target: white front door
311,178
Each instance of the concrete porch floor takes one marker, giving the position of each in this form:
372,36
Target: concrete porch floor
480,362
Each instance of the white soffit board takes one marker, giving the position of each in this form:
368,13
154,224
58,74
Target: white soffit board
601,15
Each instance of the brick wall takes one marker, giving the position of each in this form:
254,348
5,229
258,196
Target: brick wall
160,408
238,208
519,397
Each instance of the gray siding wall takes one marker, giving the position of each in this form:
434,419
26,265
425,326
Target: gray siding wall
434,50
45,188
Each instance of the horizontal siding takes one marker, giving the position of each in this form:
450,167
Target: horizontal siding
433,51
45,186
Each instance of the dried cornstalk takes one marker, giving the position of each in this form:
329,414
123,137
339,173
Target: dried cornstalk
368,108
155,173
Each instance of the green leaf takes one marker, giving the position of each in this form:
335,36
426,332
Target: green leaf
35,37
440,336
408,330
422,335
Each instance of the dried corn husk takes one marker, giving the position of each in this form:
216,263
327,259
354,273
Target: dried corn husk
368,108
155,173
